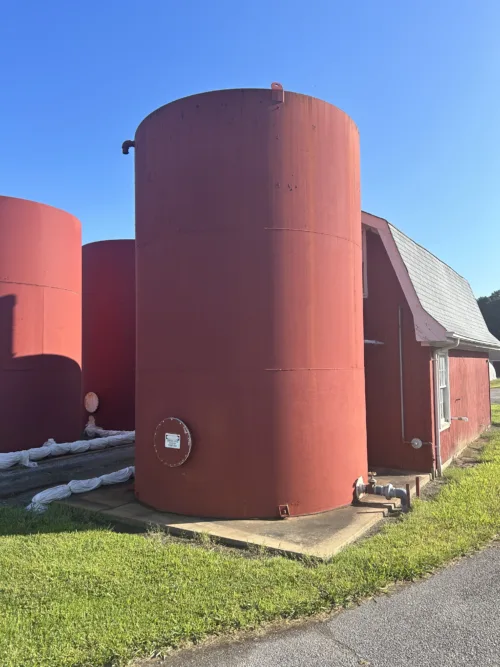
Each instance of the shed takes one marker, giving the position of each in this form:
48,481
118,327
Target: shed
427,381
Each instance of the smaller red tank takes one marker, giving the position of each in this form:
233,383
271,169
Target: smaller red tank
40,324
108,295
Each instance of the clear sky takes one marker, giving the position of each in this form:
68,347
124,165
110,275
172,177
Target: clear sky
419,77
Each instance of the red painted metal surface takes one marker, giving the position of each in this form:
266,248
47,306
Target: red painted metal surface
249,311
40,324
108,293
386,448
469,397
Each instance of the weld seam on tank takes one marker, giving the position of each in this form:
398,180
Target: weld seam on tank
288,370
6,281
312,231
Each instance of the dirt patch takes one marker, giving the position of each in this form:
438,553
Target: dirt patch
471,455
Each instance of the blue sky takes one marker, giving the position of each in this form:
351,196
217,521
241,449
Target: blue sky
419,77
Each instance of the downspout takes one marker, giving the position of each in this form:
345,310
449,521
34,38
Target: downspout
489,384
437,422
401,384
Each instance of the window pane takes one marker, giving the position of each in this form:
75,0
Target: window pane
444,394
443,371
441,405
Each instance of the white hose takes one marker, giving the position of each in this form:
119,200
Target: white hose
28,457
92,431
41,500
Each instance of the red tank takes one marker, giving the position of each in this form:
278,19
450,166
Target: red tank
108,293
249,306
40,324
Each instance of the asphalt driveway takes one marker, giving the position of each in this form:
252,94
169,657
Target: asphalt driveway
449,620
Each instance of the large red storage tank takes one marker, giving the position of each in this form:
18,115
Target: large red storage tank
108,294
249,306
40,324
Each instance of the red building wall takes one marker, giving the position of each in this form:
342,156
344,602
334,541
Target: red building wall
469,397
386,448
468,375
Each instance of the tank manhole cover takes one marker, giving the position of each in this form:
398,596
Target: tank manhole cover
172,442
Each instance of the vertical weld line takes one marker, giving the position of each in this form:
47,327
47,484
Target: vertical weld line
43,320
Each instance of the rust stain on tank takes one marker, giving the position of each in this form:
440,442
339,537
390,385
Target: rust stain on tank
108,294
40,324
249,304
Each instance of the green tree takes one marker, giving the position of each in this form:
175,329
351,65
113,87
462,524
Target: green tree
490,308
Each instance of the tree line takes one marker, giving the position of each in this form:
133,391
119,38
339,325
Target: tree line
490,308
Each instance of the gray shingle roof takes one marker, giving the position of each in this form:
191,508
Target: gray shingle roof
444,294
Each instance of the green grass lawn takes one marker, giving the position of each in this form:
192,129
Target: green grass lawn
76,593
495,383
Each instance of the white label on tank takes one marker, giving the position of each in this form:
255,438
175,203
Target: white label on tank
172,441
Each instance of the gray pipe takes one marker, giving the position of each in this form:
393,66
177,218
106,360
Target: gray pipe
388,491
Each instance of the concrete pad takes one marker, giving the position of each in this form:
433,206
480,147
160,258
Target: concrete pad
318,535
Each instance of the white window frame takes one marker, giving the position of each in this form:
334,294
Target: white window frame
443,389
365,270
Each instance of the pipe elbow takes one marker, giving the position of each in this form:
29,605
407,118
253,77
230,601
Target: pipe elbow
127,145
401,494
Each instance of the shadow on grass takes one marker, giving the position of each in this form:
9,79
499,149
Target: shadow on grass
15,520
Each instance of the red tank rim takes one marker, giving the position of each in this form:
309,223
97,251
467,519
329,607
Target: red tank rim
38,203
240,90
108,241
